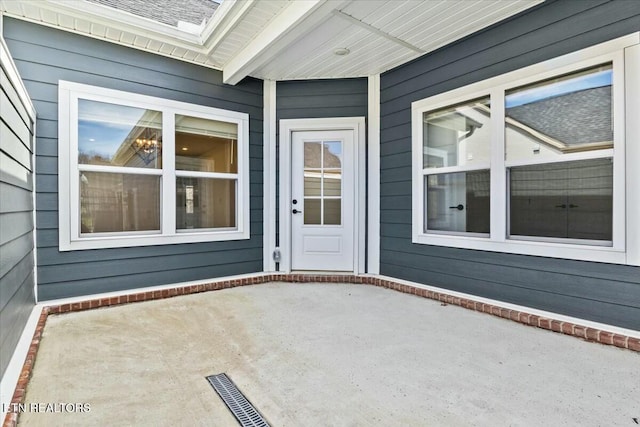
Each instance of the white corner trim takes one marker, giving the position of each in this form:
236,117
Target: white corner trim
373,147
632,71
287,127
269,176
12,373
542,313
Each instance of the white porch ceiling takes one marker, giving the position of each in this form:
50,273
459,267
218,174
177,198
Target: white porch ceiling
285,39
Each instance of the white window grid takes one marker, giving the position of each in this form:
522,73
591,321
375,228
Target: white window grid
70,237
623,54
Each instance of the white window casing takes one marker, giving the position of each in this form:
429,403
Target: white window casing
70,236
622,53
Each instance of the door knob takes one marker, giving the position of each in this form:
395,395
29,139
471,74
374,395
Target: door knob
459,207
296,211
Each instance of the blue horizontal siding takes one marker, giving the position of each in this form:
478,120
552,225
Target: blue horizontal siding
16,217
44,56
596,291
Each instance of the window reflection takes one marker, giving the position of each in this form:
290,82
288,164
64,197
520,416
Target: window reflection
567,114
117,135
458,135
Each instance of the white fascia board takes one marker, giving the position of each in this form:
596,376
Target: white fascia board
224,21
298,18
122,21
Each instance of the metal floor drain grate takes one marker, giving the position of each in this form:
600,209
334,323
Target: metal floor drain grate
241,408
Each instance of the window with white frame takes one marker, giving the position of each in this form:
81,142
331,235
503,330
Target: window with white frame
136,170
534,161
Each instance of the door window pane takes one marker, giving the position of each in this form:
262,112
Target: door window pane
564,200
312,211
312,182
567,114
312,154
205,203
458,135
114,202
117,135
332,211
458,202
332,182
206,145
332,154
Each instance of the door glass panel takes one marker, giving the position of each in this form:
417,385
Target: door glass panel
458,135
565,200
206,145
205,203
114,202
117,135
332,154
332,211
312,154
312,182
566,114
332,182
312,211
458,202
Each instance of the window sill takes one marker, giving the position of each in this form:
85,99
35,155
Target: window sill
102,242
595,253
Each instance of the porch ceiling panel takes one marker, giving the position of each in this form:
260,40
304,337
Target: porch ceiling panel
382,34
284,39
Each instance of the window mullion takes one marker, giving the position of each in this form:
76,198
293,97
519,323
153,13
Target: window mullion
168,203
498,173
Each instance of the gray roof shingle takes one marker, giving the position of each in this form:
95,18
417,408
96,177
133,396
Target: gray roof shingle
575,118
165,11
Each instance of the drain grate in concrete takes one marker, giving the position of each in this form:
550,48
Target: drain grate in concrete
241,408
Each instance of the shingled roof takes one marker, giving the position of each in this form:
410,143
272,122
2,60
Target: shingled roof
166,11
580,117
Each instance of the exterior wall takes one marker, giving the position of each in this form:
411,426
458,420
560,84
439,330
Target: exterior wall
16,213
594,291
314,99
43,56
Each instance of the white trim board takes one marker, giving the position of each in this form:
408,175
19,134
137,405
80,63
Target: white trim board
269,177
287,127
373,175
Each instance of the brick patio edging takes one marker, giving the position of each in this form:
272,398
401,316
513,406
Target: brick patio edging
567,328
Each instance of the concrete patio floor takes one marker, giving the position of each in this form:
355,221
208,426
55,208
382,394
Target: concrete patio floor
324,355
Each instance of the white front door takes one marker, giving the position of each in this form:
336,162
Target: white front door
322,200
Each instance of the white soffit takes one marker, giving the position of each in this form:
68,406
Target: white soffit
382,34
284,39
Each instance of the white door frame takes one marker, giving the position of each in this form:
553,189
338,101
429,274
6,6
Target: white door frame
287,127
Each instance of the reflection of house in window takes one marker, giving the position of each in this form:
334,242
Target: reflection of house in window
562,199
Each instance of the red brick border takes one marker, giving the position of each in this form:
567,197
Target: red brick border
567,328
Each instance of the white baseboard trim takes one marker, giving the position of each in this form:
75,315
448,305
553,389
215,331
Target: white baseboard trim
12,374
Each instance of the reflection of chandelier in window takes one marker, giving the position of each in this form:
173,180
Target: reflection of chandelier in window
147,145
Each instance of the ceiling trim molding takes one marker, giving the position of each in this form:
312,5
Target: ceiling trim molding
377,31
